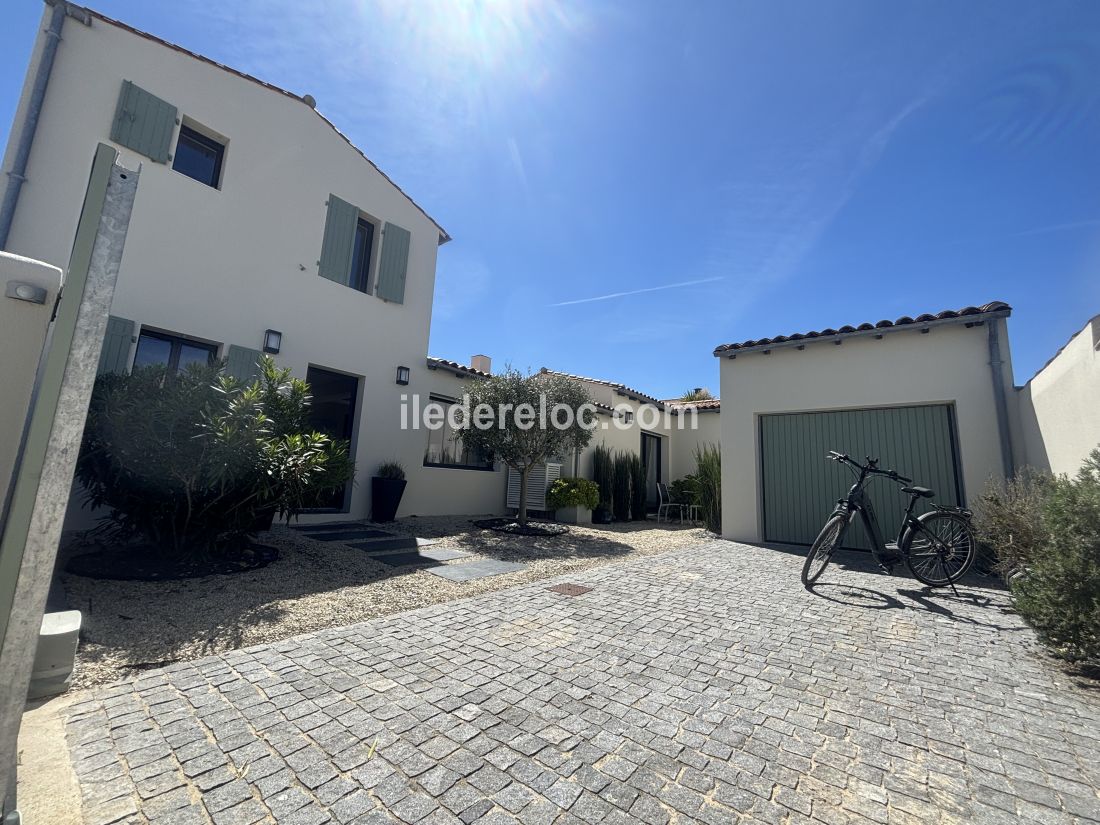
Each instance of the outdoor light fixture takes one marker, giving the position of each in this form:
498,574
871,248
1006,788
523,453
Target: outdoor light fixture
402,375
22,291
273,340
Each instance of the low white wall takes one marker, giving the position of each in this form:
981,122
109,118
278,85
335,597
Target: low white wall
1060,407
949,364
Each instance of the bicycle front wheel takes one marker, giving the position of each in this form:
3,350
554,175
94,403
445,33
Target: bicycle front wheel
822,550
943,551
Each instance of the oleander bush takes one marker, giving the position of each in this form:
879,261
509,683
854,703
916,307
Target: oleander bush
195,462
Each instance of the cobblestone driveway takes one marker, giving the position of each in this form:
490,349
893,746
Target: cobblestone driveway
701,685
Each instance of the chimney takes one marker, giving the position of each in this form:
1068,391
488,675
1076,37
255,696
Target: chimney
481,363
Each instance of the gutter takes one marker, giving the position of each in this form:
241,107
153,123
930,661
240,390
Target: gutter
996,373
17,173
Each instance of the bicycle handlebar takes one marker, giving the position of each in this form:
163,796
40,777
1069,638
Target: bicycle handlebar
869,468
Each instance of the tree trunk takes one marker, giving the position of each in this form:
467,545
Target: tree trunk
522,516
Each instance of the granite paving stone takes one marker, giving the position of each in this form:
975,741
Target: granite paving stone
699,685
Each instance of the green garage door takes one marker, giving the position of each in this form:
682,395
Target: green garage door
801,487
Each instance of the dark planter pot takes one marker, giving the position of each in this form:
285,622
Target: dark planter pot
263,519
385,497
601,515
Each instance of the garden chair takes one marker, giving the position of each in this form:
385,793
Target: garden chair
666,505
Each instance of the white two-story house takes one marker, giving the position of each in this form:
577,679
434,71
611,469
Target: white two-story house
257,225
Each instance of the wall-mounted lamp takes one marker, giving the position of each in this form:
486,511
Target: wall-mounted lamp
273,341
21,291
402,375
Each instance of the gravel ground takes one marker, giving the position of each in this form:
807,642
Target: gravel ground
131,626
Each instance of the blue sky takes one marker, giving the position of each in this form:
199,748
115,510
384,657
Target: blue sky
630,185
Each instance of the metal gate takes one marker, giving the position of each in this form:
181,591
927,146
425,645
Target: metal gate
800,487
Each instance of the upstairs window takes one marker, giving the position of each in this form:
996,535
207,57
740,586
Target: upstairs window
199,157
359,277
348,253
172,351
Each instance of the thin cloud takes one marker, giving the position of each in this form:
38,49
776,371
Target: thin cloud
612,295
1061,227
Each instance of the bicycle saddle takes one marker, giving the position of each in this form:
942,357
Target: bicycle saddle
923,492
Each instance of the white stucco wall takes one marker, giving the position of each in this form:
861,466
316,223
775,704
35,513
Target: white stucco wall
685,441
1060,406
619,435
447,490
222,265
949,364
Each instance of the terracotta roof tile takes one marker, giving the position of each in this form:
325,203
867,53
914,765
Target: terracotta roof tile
947,314
706,404
618,387
454,366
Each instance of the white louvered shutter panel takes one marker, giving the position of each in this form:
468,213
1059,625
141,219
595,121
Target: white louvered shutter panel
538,482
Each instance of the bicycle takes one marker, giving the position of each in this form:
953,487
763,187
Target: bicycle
940,540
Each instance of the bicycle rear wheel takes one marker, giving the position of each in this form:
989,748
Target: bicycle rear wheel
943,551
822,549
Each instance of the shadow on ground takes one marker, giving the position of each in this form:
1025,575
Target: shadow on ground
134,625
900,591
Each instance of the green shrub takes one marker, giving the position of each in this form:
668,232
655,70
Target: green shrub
620,487
708,473
1058,592
638,488
1009,522
573,492
391,469
603,471
685,490
191,462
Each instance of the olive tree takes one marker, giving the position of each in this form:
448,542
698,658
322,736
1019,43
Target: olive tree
524,420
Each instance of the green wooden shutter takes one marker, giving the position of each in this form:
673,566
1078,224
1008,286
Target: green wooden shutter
339,241
393,264
243,363
115,355
143,122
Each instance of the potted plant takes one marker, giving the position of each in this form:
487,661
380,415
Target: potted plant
386,488
573,500
602,513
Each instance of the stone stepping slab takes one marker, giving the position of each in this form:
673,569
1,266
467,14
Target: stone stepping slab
480,569
331,526
351,535
422,557
390,544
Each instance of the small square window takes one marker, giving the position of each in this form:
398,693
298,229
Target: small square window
199,157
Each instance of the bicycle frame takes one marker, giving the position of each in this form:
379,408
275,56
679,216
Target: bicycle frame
859,502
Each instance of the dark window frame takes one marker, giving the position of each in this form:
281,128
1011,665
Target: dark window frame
359,278
487,463
176,343
193,135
